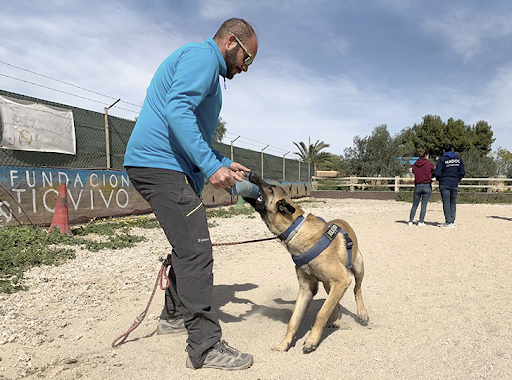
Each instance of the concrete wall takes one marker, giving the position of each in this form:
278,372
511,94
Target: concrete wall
29,194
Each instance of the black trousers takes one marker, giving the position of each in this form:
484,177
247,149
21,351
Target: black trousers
182,215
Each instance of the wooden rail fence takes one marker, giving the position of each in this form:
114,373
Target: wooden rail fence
491,185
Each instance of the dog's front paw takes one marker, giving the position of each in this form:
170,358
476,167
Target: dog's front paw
310,344
309,348
283,347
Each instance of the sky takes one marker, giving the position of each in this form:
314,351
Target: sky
325,70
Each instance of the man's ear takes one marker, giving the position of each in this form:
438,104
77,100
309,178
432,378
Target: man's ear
231,42
284,207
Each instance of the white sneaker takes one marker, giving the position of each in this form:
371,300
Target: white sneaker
421,224
409,223
448,225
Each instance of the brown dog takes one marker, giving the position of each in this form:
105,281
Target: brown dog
330,267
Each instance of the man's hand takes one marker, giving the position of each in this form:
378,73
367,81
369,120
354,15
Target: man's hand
238,171
224,177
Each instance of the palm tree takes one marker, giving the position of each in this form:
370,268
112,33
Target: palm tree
311,154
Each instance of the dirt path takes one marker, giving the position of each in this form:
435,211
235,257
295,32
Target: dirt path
439,302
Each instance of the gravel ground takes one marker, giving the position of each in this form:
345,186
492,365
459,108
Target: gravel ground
439,302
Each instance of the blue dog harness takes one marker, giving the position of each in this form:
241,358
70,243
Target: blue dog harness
324,241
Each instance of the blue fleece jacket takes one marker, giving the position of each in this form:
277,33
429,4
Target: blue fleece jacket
449,169
176,125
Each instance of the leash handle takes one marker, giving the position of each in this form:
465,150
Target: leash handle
163,272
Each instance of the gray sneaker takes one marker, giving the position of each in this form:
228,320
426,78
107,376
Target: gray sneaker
173,326
222,356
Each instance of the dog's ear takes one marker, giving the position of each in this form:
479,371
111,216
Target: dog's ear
284,207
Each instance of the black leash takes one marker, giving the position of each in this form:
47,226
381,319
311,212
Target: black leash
243,242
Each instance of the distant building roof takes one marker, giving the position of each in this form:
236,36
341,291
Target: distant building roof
407,160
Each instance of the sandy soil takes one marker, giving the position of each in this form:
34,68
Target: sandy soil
439,302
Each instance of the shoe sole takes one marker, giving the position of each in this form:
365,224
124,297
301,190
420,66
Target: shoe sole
245,366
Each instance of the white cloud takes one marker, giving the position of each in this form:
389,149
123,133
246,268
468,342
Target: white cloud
499,94
115,51
281,106
466,31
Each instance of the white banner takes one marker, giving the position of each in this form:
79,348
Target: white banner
36,127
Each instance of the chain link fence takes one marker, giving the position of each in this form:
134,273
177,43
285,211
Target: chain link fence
91,152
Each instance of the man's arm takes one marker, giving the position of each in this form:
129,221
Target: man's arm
439,169
462,170
192,80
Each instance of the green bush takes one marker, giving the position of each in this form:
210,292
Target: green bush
22,248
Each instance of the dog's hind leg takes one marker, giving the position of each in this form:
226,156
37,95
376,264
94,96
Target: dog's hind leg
335,318
358,270
337,290
308,287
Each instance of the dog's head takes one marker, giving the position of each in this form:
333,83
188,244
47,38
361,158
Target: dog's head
274,205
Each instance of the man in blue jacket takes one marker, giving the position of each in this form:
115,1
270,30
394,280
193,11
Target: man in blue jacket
449,171
168,157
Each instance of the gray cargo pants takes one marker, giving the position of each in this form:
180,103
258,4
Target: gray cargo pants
182,216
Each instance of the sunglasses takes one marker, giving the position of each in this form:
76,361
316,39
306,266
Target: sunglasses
249,58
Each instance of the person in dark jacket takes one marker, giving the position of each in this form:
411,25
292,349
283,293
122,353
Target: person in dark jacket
449,171
422,170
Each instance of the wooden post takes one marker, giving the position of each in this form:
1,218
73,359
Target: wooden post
352,181
299,168
232,151
397,184
107,139
284,166
107,133
262,161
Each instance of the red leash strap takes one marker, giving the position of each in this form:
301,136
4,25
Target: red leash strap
161,274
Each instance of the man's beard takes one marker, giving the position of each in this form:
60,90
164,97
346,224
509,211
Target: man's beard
231,57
